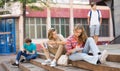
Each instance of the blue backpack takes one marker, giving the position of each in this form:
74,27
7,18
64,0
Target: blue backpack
98,14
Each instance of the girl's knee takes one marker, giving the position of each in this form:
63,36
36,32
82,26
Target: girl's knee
90,39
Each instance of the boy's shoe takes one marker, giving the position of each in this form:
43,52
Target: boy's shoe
48,61
22,60
103,56
14,64
53,64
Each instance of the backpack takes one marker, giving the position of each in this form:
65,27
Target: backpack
98,14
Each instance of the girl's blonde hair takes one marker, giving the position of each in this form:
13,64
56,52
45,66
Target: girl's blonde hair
83,36
50,33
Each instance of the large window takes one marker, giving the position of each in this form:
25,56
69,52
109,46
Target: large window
81,1
60,1
68,1
61,25
35,28
104,29
84,22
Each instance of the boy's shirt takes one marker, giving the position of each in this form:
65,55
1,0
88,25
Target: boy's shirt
94,20
30,48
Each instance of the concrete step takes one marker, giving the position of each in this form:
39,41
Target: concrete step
30,67
1,68
111,48
108,66
8,67
112,57
27,66
38,62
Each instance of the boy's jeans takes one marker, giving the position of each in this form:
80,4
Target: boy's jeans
27,56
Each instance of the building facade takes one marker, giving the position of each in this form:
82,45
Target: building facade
63,15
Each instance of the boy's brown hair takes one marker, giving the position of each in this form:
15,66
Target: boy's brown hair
28,40
92,4
50,33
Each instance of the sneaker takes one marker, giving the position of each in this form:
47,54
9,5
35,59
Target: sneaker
103,56
22,60
53,64
48,61
14,64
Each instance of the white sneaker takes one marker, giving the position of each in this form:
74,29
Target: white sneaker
48,61
103,56
53,64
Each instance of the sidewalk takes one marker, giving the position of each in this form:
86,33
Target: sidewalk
6,57
111,48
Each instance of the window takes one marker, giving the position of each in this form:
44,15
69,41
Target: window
104,29
35,28
60,1
84,22
95,0
81,1
61,25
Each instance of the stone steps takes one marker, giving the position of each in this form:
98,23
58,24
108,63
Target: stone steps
1,68
112,57
22,67
8,67
108,66
30,67
27,66
38,62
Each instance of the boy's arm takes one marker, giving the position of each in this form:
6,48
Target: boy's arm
62,40
100,17
88,20
23,48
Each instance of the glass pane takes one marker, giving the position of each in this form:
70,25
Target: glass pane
105,21
62,21
43,20
38,21
32,21
52,21
67,21
26,30
32,31
39,31
81,1
67,31
44,31
63,30
57,21
60,1
27,21
56,27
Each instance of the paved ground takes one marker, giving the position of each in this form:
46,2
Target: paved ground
111,48
6,57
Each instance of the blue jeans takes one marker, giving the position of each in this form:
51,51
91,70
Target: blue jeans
27,56
89,45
